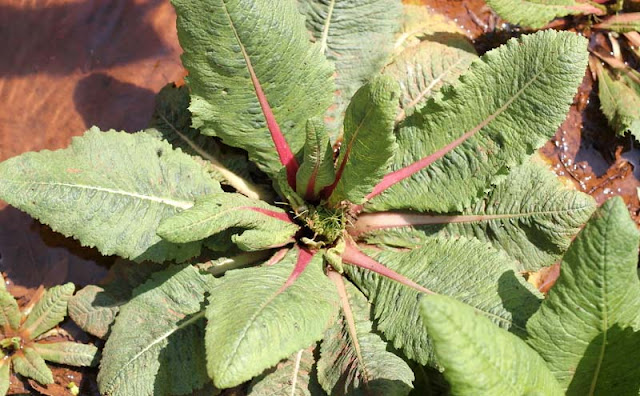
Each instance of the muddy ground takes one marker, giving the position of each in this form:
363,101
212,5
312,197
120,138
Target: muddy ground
68,65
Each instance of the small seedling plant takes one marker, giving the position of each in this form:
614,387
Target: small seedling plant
24,344
398,166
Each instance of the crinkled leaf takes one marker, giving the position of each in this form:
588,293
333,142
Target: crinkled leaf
422,69
424,23
94,308
316,170
249,332
224,42
71,353
358,36
480,358
261,225
172,120
28,363
50,310
156,346
531,216
109,190
353,359
537,13
619,102
492,118
622,23
467,270
369,142
5,375
587,328
292,376
9,312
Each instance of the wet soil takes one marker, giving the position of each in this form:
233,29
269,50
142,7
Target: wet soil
68,64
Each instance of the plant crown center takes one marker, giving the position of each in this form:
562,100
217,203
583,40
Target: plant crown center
326,225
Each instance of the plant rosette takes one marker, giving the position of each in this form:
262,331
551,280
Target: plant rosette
433,192
24,346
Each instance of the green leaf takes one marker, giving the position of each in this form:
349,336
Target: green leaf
424,23
28,363
619,102
316,170
109,190
94,308
172,120
465,269
71,353
478,357
622,23
249,332
422,69
266,38
9,312
156,346
358,36
292,376
585,328
531,216
5,376
537,13
496,115
261,225
50,310
353,359
369,142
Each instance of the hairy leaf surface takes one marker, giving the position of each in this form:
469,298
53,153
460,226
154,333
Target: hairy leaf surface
537,13
249,332
369,142
424,23
496,115
228,42
156,346
353,359
619,102
587,329
423,68
292,376
10,314
316,170
531,216
109,190
50,310
172,122
28,363
71,353
264,225
358,36
467,270
94,308
480,358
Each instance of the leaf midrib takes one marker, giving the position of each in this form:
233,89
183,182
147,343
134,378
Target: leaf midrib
162,200
162,337
425,91
605,312
487,357
397,176
325,28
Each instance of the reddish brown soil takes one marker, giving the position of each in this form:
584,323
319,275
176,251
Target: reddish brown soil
68,64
